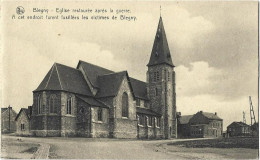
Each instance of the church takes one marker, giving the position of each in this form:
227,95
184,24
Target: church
91,101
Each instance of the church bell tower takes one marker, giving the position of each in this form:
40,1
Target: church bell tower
161,83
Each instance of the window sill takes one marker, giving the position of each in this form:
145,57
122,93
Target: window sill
140,125
99,122
69,115
124,117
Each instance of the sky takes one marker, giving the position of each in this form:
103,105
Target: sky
214,48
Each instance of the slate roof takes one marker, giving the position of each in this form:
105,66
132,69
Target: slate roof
26,111
93,71
211,115
61,77
93,102
185,119
139,88
238,124
3,109
160,52
146,111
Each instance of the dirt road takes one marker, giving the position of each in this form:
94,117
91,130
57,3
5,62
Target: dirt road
87,148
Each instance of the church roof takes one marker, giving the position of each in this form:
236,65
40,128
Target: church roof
139,88
160,52
93,71
61,77
109,84
93,102
146,111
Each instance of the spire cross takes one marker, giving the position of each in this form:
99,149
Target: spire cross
160,10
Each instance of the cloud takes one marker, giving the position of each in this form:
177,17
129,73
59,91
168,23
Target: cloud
196,79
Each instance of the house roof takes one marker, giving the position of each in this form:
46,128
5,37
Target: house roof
211,115
93,102
185,119
237,124
139,88
93,71
160,52
26,111
61,77
146,111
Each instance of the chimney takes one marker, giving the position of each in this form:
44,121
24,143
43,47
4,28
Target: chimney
215,113
9,107
201,111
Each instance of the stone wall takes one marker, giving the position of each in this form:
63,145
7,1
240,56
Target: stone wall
23,119
125,127
99,128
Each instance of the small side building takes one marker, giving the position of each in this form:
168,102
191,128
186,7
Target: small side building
205,124
8,124
238,129
23,126
184,126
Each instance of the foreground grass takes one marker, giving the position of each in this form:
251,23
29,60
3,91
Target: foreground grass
11,148
240,142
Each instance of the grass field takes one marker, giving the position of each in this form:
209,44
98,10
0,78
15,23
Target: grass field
238,142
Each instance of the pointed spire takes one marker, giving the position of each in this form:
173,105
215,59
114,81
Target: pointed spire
160,52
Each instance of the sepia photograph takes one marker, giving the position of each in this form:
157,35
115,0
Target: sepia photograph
129,79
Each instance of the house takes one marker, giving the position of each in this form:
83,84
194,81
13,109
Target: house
23,121
238,129
184,126
92,101
8,124
205,124
200,125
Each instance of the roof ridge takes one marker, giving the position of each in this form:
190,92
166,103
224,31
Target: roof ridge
95,65
49,76
112,73
63,65
58,76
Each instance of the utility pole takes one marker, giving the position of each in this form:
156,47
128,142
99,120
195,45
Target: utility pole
252,113
244,117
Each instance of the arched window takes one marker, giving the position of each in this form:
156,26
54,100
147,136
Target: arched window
156,91
100,115
39,104
125,105
53,104
69,105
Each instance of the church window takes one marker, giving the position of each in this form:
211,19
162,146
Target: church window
69,105
125,105
142,120
138,102
146,104
156,91
157,76
154,76
150,121
53,104
169,78
100,114
157,122
39,104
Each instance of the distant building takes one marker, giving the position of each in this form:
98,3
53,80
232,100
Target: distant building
199,125
23,121
238,129
8,124
184,126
